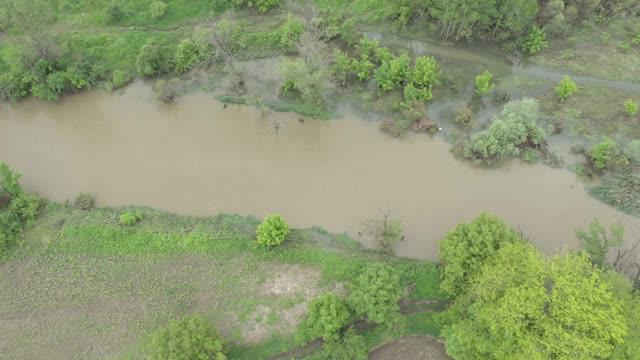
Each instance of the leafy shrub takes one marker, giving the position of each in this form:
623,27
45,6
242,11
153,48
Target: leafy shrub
363,68
565,88
376,292
596,242
192,52
350,346
158,9
14,85
120,78
341,67
130,217
51,88
153,59
188,338
465,117
630,107
290,33
392,72
26,206
84,201
412,93
632,151
114,12
327,314
272,231
425,73
464,250
312,84
514,130
10,180
80,76
483,83
263,5
535,41
607,155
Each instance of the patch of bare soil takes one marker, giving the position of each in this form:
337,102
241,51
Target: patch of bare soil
411,348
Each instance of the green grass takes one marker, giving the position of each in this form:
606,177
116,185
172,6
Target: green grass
116,284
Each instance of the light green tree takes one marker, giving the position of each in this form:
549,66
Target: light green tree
10,180
523,306
483,83
631,107
376,292
272,231
565,88
467,248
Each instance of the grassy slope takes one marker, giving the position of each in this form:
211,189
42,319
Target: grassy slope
80,283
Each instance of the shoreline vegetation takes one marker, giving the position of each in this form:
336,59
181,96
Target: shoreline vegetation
137,283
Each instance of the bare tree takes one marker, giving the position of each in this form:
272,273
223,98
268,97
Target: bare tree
386,231
224,39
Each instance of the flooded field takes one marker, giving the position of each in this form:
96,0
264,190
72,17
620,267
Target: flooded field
196,157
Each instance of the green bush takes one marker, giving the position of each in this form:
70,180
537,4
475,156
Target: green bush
376,292
192,52
535,41
341,67
312,84
425,73
632,151
363,68
263,5
14,85
186,339
114,12
51,88
565,88
130,217
597,241
84,201
120,78
483,83
26,206
412,93
630,107
80,76
350,346
290,33
10,180
272,231
607,155
393,72
158,9
153,59
513,131
327,314
464,250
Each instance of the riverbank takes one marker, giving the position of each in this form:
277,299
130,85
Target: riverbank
113,285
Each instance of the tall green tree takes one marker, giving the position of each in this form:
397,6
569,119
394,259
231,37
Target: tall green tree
522,305
596,241
467,248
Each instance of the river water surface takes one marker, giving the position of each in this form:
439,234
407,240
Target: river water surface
195,157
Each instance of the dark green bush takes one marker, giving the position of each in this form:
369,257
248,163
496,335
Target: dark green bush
376,292
192,52
14,85
154,59
350,346
26,206
327,314
114,12
158,9
606,155
84,201
290,33
262,5
187,339
535,41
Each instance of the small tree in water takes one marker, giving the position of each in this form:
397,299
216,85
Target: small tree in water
565,88
483,83
597,242
387,232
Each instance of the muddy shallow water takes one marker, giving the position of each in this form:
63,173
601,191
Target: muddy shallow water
194,157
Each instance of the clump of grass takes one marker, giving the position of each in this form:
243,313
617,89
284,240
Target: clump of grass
621,191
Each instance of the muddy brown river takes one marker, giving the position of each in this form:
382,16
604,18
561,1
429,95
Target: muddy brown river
195,157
